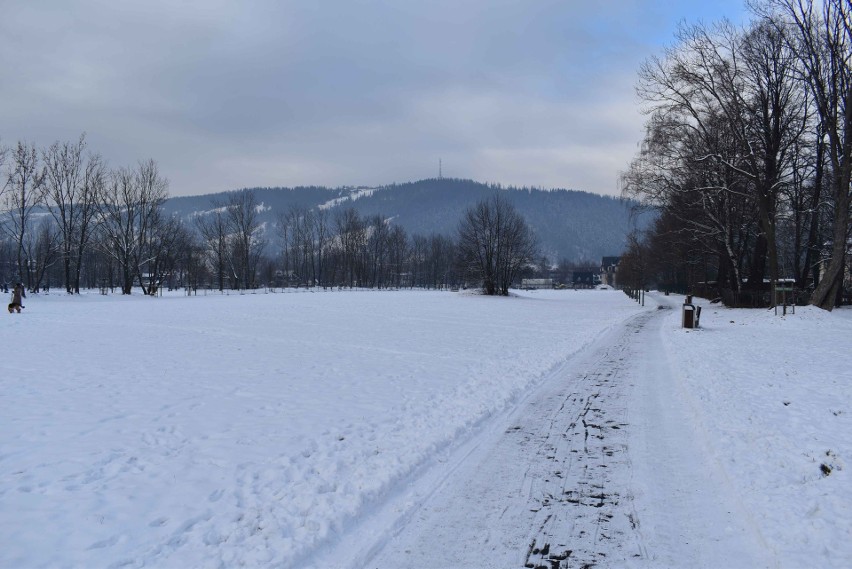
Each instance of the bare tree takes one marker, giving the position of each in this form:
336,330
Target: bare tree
418,261
164,246
214,232
297,229
377,250
776,123
245,232
495,243
72,182
633,266
352,236
43,251
4,182
322,238
821,35
7,256
731,101
25,193
306,239
397,253
129,211
192,263
733,154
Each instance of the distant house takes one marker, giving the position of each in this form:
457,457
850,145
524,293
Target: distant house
609,271
585,279
531,284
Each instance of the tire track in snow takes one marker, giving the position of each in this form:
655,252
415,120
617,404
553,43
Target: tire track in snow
548,486
585,515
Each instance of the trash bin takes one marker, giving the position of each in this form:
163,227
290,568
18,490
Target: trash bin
689,316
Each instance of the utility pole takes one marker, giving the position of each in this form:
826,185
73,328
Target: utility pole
440,172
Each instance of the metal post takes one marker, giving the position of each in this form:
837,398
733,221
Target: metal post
775,296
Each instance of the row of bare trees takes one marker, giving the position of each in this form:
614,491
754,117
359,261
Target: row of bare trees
61,202
69,219
345,249
232,240
748,152
493,246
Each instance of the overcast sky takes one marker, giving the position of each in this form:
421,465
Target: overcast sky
225,94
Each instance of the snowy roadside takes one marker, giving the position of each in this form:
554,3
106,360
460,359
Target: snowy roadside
250,430
773,397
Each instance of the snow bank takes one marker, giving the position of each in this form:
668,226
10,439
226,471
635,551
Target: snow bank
249,430
773,396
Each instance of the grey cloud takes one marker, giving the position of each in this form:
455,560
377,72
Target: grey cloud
226,94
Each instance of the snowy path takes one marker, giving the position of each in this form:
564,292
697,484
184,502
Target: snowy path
689,512
600,465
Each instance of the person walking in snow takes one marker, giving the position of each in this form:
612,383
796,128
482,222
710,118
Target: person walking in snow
18,295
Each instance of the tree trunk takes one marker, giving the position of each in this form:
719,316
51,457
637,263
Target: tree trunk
811,264
758,263
825,294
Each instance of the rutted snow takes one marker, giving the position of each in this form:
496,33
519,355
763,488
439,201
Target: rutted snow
249,429
547,484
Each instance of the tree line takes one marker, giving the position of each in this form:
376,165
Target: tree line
70,220
747,155
66,212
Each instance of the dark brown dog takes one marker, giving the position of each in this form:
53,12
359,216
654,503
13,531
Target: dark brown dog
15,307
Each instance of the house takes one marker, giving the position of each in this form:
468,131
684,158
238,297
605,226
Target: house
609,271
585,279
531,284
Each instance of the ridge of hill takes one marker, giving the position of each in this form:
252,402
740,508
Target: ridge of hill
576,225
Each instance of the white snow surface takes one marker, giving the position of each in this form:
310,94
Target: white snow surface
279,429
771,398
248,430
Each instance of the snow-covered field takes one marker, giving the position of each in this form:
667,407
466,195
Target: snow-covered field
772,397
260,430
250,430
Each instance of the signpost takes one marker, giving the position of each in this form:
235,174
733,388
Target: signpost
783,289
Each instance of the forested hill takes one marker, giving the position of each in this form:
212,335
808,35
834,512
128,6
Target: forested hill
569,224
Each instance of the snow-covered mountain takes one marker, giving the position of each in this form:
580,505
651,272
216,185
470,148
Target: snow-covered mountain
570,224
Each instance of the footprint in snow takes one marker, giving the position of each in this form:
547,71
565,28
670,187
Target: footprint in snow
104,543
